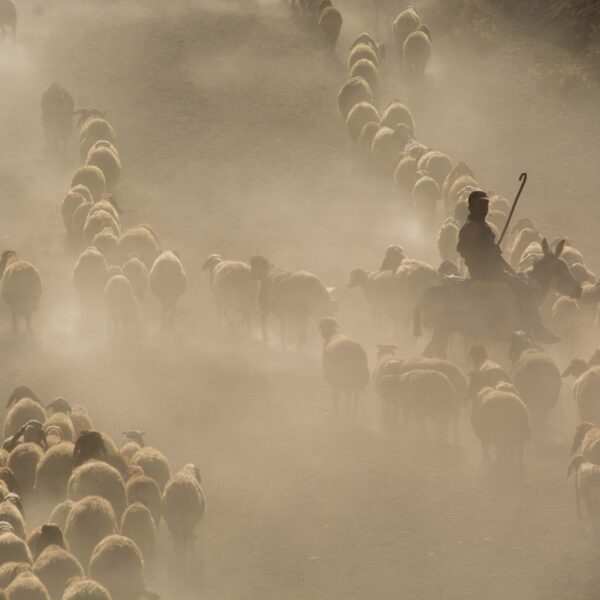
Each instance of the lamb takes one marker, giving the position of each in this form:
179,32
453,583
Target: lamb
54,568
57,115
25,410
122,306
587,487
140,240
362,51
117,564
184,507
154,464
21,288
168,281
535,375
360,114
90,520
500,419
416,52
137,274
93,130
426,394
89,278
97,478
387,145
353,91
368,71
397,113
23,461
54,469
12,547
85,589
404,24
108,162
447,241
8,18
93,179
345,365
26,586
292,296
586,389
330,23
138,525
234,289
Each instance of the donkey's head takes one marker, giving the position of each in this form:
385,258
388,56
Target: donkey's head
552,272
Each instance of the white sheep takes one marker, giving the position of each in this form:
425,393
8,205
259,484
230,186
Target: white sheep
168,281
90,520
363,51
292,296
184,507
93,130
99,218
23,410
23,461
144,489
397,113
21,288
587,488
368,71
405,174
345,365
140,240
13,548
107,161
107,242
70,203
9,513
387,145
60,513
234,289
360,114
26,586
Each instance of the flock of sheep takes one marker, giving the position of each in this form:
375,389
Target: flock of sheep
104,505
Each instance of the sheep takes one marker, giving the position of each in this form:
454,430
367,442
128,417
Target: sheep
415,54
353,91
168,281
60,513
426,394
122,306
367,39
464,182
54,567
330,23
93,178
404,24
437,165
81,420
535,375
85,589
90,520
97,220
8,18
63,421
70,203
43,536
292,296
23,461
233,287
93,130
387,144
385,354
586,389
566,320
10,570
586,442
397,113
26,586
97,478
345,365
405,174
117,564
54,469
365,139
144,489
523,239
138,525
3,457
134,441
79,218
426,194
21,288
57,116
90,445
12,547
393,258
140,240
368,71
108,162
360,114
447,240
25,409
137,274
9,513
184,507
8,480
487,372
500,419
362,51
587,487
154,464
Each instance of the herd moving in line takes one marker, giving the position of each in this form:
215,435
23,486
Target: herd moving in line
106,504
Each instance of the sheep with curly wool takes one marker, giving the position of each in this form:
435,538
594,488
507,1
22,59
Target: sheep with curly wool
368,71
117,564
234,289
184,507
345,366
12,547
144,489
21,288
24,410
54,469
23,461
43,536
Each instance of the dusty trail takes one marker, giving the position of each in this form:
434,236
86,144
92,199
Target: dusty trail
231,143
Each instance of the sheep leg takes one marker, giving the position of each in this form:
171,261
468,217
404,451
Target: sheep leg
15,325
485,450
28,328
335,398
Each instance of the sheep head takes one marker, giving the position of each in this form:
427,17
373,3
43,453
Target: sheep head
89,445
20,392
394,255
259,266
134,435
577,367
328,326
60,405
211,262
358,277
50,534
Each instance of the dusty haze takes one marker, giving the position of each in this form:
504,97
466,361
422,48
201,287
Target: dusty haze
231,143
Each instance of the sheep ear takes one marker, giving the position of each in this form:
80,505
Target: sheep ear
545,247
559,248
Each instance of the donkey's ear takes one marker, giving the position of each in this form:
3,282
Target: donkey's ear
545,247
559,248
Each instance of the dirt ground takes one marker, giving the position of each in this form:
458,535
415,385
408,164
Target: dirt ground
231,143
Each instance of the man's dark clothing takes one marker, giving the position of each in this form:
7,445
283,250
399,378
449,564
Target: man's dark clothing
477,246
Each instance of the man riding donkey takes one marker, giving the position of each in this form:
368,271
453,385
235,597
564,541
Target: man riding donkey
483,257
